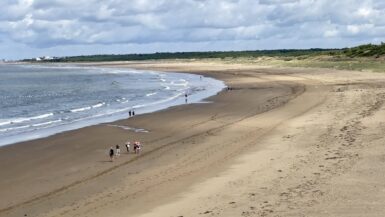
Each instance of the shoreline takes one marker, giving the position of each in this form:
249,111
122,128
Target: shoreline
51,148
277,144
213,87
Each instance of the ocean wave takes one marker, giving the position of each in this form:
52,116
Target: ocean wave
53,66
80,109
184,84
21,120
99,105
5,123
14,128
158,102
122,101
166,87
87,107
151,94
122,110
30,125
46,123
121,71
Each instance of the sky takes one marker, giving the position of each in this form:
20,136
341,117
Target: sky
31,28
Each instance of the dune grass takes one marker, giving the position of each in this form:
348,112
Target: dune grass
355,64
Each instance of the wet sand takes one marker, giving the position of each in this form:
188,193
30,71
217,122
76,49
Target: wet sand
283,142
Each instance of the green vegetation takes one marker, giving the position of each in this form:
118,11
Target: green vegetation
355,64
193,55
368,50
364,57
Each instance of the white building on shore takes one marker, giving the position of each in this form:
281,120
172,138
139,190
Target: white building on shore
44,58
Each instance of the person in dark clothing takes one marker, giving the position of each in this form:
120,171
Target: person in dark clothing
111,154
185,97
128,146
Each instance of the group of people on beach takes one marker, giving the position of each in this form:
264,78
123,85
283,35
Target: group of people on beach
131,113
116,152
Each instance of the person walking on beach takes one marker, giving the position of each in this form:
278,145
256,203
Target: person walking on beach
185,97
130,113
128,146
111,154
137,147
117,150
133,113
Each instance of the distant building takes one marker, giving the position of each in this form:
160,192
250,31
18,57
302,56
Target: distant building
46,58
43,58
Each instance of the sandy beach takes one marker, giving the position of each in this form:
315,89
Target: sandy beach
282,142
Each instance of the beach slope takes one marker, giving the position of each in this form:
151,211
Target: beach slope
281,142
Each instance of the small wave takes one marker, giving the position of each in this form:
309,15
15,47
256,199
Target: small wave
158,102
54,66
21,120
112,112
179,84
166,87
28,126
80,109
99,105
46,123
151,94
121,71
5,123
87,107
14,128
42,116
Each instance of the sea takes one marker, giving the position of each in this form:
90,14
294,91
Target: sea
41,100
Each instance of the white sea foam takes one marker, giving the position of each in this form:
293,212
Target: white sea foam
183,83
41,116
5,123
47,123
158,102
151,94
99,105
80,109
123,71
166,87
21,120
14,128
88,107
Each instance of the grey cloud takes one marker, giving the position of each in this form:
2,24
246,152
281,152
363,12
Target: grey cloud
55,23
